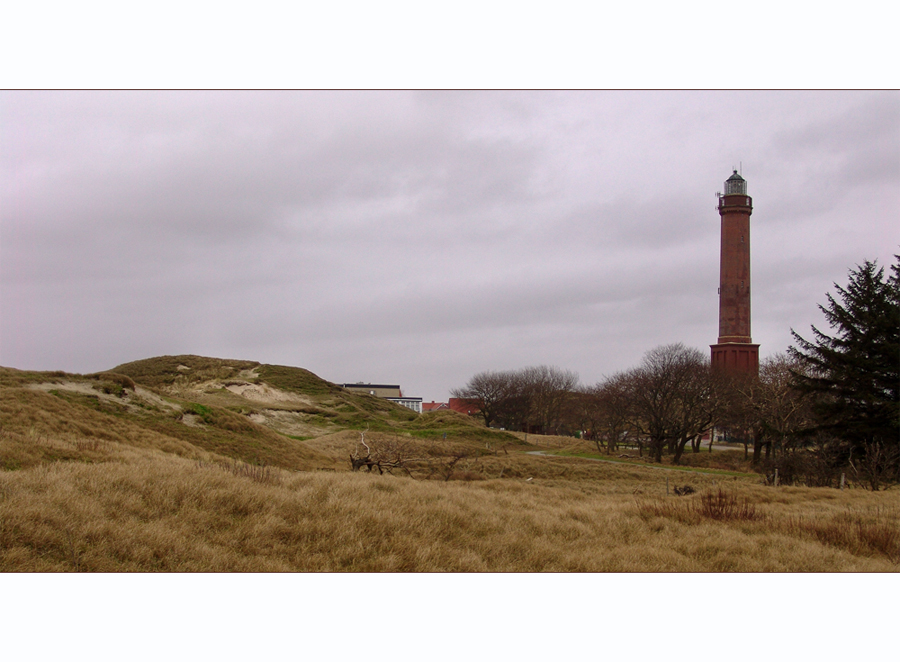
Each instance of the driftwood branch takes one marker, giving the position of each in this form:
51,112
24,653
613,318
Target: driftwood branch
382,455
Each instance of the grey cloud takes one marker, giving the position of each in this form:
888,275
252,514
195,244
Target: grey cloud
421,236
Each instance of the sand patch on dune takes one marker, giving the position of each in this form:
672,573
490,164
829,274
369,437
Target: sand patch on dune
265,393
128,396
290,423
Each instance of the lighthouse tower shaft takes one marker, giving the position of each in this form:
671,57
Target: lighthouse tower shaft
734,350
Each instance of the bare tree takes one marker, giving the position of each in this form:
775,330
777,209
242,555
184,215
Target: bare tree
531,399
671,398
610,411
583,413
738,416
782,408
700,401
491,392
877,465
547,390
768,407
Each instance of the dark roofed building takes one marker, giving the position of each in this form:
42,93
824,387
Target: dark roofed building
390,392
378,390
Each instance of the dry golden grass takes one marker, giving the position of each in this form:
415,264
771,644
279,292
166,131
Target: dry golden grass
94,478
146,511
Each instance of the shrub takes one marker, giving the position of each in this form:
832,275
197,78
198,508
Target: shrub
724,506
259,473
110,388
123,381
717,505
804,467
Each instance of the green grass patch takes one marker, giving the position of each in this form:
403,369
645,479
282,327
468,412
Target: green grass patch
90,401
12,378
495,437
296,380
673,467
205,413
110,388
186,368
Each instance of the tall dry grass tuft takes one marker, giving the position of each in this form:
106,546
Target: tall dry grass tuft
726,506
719,505
856,532
255,472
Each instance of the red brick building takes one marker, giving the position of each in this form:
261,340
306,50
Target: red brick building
464,406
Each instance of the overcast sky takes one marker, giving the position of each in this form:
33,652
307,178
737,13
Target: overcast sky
418,238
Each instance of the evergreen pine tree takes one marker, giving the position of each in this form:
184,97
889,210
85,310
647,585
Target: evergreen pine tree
855,373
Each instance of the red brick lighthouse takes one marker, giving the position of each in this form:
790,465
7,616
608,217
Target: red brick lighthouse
735,350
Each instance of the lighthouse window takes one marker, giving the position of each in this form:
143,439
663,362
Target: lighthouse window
742,239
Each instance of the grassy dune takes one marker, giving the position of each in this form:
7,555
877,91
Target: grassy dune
96,478
39,427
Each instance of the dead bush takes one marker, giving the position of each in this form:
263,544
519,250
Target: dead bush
725,506
804,467
717,505
259,473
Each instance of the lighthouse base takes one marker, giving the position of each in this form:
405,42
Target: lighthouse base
736,357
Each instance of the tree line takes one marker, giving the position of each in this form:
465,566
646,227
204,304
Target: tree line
826,407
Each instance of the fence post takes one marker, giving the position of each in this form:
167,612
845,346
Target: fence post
842,481
667,486
776,478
